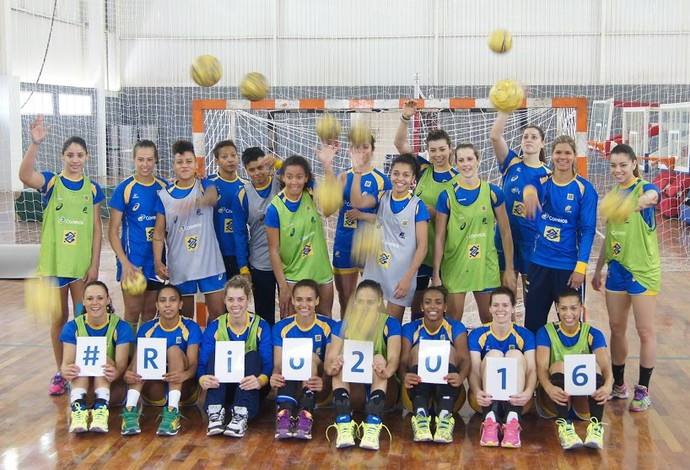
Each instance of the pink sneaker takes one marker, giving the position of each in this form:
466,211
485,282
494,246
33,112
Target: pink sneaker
489,432
58,385
511,434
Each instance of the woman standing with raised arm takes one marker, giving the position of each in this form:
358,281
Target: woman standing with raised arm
437,174
519,170
71,233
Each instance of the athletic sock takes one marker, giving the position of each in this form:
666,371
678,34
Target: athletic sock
558,379
489,414
102,397
512,415
618,374
78,395
174,398
132,398
645,375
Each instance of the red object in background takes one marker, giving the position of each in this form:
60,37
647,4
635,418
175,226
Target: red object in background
674,187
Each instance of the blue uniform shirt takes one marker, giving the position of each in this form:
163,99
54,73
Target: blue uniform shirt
319,332
449,330
223,212
483,340
566,225
185,333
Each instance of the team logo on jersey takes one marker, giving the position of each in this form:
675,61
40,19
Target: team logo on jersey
349,223
228,226
135,207
515,190
514,178
174,220
518,209
149,234
570,197
568,209
292,232
317,338
484,208
383,259
367,184
552,234
307,250
191,242
86,198
404,222
313,219
474,251
199,211
442,337
85,210
401,235
69,237
616,248
485,221
463,225
178,340
58,207
135,196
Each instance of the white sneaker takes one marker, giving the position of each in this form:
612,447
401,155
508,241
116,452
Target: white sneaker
238,424
216,420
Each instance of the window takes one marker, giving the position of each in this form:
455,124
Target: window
36,103
75,105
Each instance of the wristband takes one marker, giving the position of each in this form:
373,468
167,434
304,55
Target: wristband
405,119
35,142
244,270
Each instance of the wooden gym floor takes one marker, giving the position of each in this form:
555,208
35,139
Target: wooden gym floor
33,426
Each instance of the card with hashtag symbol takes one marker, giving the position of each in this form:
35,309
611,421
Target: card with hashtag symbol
91,355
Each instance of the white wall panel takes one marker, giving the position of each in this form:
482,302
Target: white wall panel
65,62
166,62
355,18
354,62
364,42
195,18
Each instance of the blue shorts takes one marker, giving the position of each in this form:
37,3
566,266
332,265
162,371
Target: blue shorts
65,281
521,257
342,261
149,273
205,286
620,280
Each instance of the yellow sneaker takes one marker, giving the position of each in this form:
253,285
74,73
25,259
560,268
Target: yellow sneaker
567,434
444,429
421,431
346,434
79,419
99,419
595,434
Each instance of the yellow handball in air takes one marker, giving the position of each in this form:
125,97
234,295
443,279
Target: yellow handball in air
254,86
360,320
136,286
615,207
327,127
42,299
359,134
206,70
328,195
366,243
500,41
507,95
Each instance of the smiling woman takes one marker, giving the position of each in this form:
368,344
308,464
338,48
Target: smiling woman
70,243
565,209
